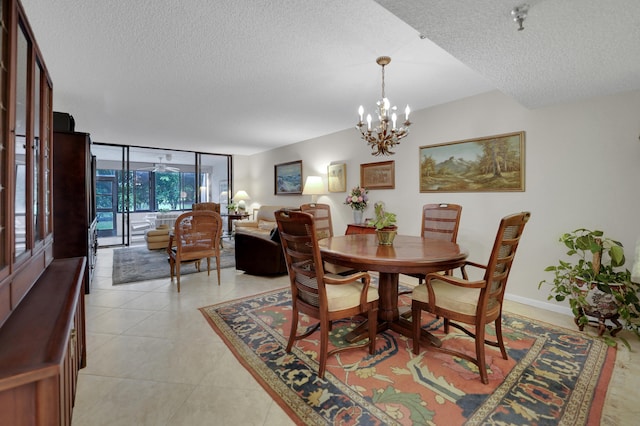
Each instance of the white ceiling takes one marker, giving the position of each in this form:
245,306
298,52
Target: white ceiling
244,76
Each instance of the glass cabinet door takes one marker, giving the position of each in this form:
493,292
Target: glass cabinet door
4,61
20,149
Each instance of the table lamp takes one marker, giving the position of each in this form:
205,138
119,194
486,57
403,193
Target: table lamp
240,197
313,186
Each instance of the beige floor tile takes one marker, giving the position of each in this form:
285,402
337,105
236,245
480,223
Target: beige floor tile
225,406
117,321
125,402
154,360
111,298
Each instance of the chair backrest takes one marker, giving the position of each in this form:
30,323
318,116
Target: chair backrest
502,255
441,221
321,217
206,206
197,232
302,255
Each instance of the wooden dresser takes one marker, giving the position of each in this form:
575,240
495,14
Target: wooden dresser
359,228
42,334
42,347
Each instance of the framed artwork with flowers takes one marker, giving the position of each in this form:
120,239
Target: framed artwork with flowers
337,174
381,175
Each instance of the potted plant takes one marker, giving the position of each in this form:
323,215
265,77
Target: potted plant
385,224
596,284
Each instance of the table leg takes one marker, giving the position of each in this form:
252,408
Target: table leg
389,314
388,292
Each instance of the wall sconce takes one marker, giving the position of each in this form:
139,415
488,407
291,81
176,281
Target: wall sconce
313,186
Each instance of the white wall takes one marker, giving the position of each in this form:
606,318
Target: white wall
581,171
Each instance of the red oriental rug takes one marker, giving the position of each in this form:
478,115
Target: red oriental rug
553,375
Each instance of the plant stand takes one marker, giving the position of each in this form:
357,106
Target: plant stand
600,324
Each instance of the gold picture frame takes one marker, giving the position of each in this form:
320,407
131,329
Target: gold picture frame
381,175
487,164
337,177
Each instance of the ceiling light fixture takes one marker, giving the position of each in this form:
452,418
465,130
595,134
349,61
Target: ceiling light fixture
519,14
383,136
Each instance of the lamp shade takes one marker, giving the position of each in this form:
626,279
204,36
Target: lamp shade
240,197
313,186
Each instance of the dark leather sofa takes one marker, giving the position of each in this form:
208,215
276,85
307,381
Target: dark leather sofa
257,255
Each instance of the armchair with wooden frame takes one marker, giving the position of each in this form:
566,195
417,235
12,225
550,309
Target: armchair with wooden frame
321,216
441,222
325,297
324,228
196,235
208,206
477,302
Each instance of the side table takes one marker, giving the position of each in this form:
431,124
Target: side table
231,217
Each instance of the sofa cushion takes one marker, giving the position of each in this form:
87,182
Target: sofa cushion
266,225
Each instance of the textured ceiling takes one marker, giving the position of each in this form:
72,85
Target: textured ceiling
244,76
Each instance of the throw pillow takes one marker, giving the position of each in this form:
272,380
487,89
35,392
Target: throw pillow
275,235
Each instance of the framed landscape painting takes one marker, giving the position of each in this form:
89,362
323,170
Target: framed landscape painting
337,174
380,175
288,178
487,164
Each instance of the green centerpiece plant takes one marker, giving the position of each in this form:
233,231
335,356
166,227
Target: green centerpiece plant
596,284
385,224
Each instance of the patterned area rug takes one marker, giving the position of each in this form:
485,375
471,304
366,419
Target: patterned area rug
133,264
553,375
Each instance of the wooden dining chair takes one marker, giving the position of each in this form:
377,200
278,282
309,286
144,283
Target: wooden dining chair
477,302
439,221
206,206
322,218
323,296
209,206
196,236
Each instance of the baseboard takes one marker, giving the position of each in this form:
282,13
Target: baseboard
565,310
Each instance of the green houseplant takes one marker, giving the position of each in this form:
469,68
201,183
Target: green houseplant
596,284
385,224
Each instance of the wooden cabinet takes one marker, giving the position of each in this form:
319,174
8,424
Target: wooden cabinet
359,228
74,221
42,336
42,346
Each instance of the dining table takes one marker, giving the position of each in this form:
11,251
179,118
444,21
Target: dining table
408,255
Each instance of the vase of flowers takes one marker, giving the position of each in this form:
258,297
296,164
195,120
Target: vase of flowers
357,200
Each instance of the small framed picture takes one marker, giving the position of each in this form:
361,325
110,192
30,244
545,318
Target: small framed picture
288,178
380,175
337,174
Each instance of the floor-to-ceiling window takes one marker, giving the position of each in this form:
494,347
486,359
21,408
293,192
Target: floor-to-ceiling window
136,186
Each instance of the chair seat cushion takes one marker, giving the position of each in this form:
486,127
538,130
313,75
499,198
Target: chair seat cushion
449,297
347,296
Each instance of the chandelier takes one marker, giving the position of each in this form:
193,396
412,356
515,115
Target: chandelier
385,135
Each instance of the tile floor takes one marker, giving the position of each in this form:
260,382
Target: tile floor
154,360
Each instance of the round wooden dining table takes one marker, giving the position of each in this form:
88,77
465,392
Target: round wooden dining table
408,254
